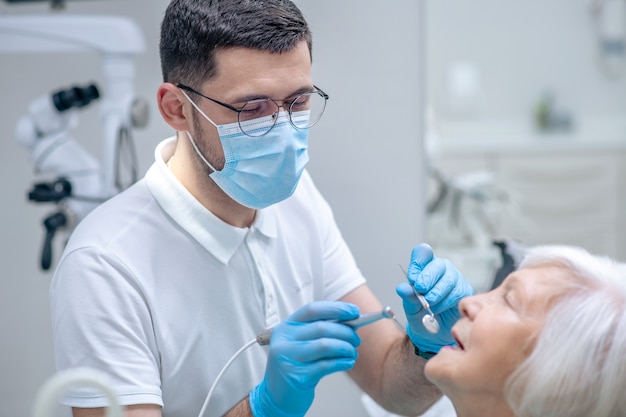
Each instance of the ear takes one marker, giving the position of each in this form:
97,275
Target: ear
171,103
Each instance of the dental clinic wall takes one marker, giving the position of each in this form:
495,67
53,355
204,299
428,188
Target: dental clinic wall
365,157
507,54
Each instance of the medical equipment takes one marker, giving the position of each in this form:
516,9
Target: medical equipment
72,177
263,338
75,181
465,216
370,318
54,4
429,321
46,399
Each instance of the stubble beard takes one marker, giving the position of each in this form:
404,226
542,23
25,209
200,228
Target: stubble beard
209,152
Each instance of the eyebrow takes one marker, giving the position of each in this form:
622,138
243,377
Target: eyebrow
248,97
511,284
523,299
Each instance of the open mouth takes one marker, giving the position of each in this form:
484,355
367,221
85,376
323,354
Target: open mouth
458,342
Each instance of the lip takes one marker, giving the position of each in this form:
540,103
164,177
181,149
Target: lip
456,339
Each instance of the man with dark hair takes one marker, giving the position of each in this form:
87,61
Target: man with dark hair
226,236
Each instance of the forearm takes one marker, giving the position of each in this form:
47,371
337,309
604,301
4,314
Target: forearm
388,369
241,409
404,389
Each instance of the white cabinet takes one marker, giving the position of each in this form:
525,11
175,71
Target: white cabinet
563,197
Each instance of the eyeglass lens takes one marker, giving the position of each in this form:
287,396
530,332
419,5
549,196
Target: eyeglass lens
304,111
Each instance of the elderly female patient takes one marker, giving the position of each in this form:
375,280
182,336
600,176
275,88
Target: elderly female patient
550,341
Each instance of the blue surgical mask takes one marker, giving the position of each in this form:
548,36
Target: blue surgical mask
259,171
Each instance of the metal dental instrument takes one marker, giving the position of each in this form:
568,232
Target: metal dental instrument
369,318
429,321
263,338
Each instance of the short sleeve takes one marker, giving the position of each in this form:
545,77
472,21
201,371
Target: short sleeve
101,320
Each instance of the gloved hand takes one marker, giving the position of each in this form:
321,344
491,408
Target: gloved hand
443,286
303,349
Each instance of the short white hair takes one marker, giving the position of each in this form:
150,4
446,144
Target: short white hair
578,365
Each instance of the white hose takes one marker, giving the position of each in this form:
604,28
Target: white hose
219,376
48,395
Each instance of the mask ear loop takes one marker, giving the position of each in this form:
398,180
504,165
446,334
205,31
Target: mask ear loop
195,106
193,142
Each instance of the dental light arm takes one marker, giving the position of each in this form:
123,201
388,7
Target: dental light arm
75,183
78,181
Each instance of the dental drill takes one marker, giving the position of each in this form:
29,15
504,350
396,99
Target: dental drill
263,338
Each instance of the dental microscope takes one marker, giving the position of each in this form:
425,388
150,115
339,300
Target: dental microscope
69,177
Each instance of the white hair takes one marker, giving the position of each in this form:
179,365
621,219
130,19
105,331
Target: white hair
578,365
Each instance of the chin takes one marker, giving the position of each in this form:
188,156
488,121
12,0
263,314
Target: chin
440,368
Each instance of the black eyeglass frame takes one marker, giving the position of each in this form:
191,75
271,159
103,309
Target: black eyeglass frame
240,110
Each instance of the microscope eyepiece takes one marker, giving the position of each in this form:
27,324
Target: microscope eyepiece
74,97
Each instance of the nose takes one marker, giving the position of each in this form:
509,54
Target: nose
470,306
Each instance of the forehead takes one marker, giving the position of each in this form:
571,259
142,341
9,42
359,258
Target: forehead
538,287
242,70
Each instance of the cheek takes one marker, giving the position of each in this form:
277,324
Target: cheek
494,351
497,348
208,143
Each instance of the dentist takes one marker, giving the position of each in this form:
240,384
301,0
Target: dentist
227,235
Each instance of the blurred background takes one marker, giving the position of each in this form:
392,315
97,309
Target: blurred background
524,127
457,123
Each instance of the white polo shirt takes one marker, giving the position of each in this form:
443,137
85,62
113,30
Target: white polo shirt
157,292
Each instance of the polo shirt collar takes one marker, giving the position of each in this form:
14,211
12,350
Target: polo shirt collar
218,237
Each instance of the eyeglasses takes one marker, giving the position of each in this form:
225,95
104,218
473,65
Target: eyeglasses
304,110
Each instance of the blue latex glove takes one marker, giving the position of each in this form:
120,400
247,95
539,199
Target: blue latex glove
303,349
443,286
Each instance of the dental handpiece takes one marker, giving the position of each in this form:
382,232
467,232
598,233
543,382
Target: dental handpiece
370,318
263,338
429,321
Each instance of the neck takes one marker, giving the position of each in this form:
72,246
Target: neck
192,174
473,405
